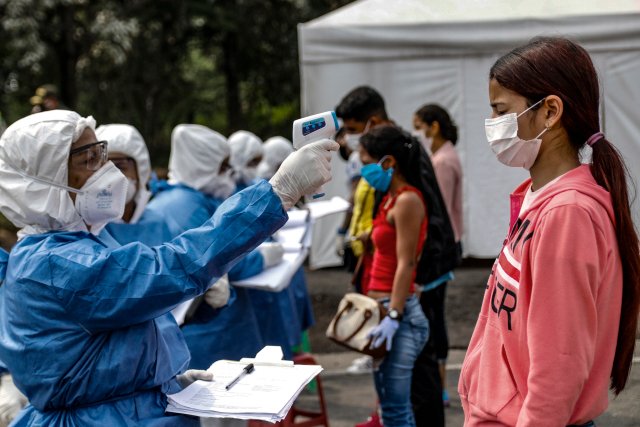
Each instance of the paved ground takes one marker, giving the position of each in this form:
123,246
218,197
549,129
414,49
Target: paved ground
352,397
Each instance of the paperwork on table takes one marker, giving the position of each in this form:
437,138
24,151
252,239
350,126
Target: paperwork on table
327,207
266,394
295,238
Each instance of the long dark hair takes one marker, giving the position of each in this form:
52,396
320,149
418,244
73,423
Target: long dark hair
430,113
390,140
557,66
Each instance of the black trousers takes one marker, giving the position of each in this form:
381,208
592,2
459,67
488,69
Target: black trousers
432,303
426,384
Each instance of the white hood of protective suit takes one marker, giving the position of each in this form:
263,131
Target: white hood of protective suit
127,140
245,146
34,152
276,149
197,153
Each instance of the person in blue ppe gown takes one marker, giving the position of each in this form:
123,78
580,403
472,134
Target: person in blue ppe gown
128,152
78,314
279,320
4,258
275,150
11,400
200,179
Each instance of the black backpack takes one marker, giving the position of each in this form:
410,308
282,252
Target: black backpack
440,253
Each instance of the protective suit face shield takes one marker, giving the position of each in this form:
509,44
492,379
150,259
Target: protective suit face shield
509,148
378,177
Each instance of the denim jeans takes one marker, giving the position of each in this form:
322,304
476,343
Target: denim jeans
393,376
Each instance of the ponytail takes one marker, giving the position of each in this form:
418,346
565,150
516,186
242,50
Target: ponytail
611,173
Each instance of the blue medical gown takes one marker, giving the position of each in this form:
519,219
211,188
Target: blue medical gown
4,258
233,331
82,325
284,315
184,208
150,229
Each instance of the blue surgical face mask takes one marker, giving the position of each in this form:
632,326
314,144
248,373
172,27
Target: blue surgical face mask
377,177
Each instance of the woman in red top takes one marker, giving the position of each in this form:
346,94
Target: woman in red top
390,158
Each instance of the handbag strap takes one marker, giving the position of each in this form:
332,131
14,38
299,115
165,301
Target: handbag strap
367,315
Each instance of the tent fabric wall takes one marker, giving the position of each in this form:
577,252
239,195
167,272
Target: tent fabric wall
443,55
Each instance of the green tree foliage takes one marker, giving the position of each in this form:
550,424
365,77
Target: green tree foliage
227,64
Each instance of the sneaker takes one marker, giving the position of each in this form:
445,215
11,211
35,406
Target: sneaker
372,421
361,365
445,399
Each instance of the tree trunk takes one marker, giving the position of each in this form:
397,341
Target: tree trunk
68,57
235,118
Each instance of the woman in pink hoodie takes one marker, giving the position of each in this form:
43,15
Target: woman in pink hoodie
558,322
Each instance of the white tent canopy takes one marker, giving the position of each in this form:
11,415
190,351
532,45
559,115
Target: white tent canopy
421,51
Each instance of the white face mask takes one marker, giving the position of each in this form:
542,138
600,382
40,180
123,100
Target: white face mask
245,175
509,148
264,171
221,187
425,140
353,139
249,174
102,198
132,189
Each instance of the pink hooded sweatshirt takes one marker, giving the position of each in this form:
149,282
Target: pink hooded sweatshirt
542,350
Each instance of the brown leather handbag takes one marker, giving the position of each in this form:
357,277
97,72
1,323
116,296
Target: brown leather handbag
357,315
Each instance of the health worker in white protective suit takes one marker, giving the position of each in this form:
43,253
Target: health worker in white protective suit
276,149
246,154
78,315
199,182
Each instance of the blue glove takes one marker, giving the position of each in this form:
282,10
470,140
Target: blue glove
383,332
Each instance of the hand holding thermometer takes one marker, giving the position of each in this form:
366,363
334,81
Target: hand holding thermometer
314,128
245,371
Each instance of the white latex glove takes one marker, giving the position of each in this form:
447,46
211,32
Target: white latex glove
272,253
218,294
304,171
193,375
11,400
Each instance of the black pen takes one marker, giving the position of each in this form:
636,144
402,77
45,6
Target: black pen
246,370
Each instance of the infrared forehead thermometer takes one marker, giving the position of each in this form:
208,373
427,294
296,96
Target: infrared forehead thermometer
314,128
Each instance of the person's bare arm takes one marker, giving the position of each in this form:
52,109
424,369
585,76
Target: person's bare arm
408,214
